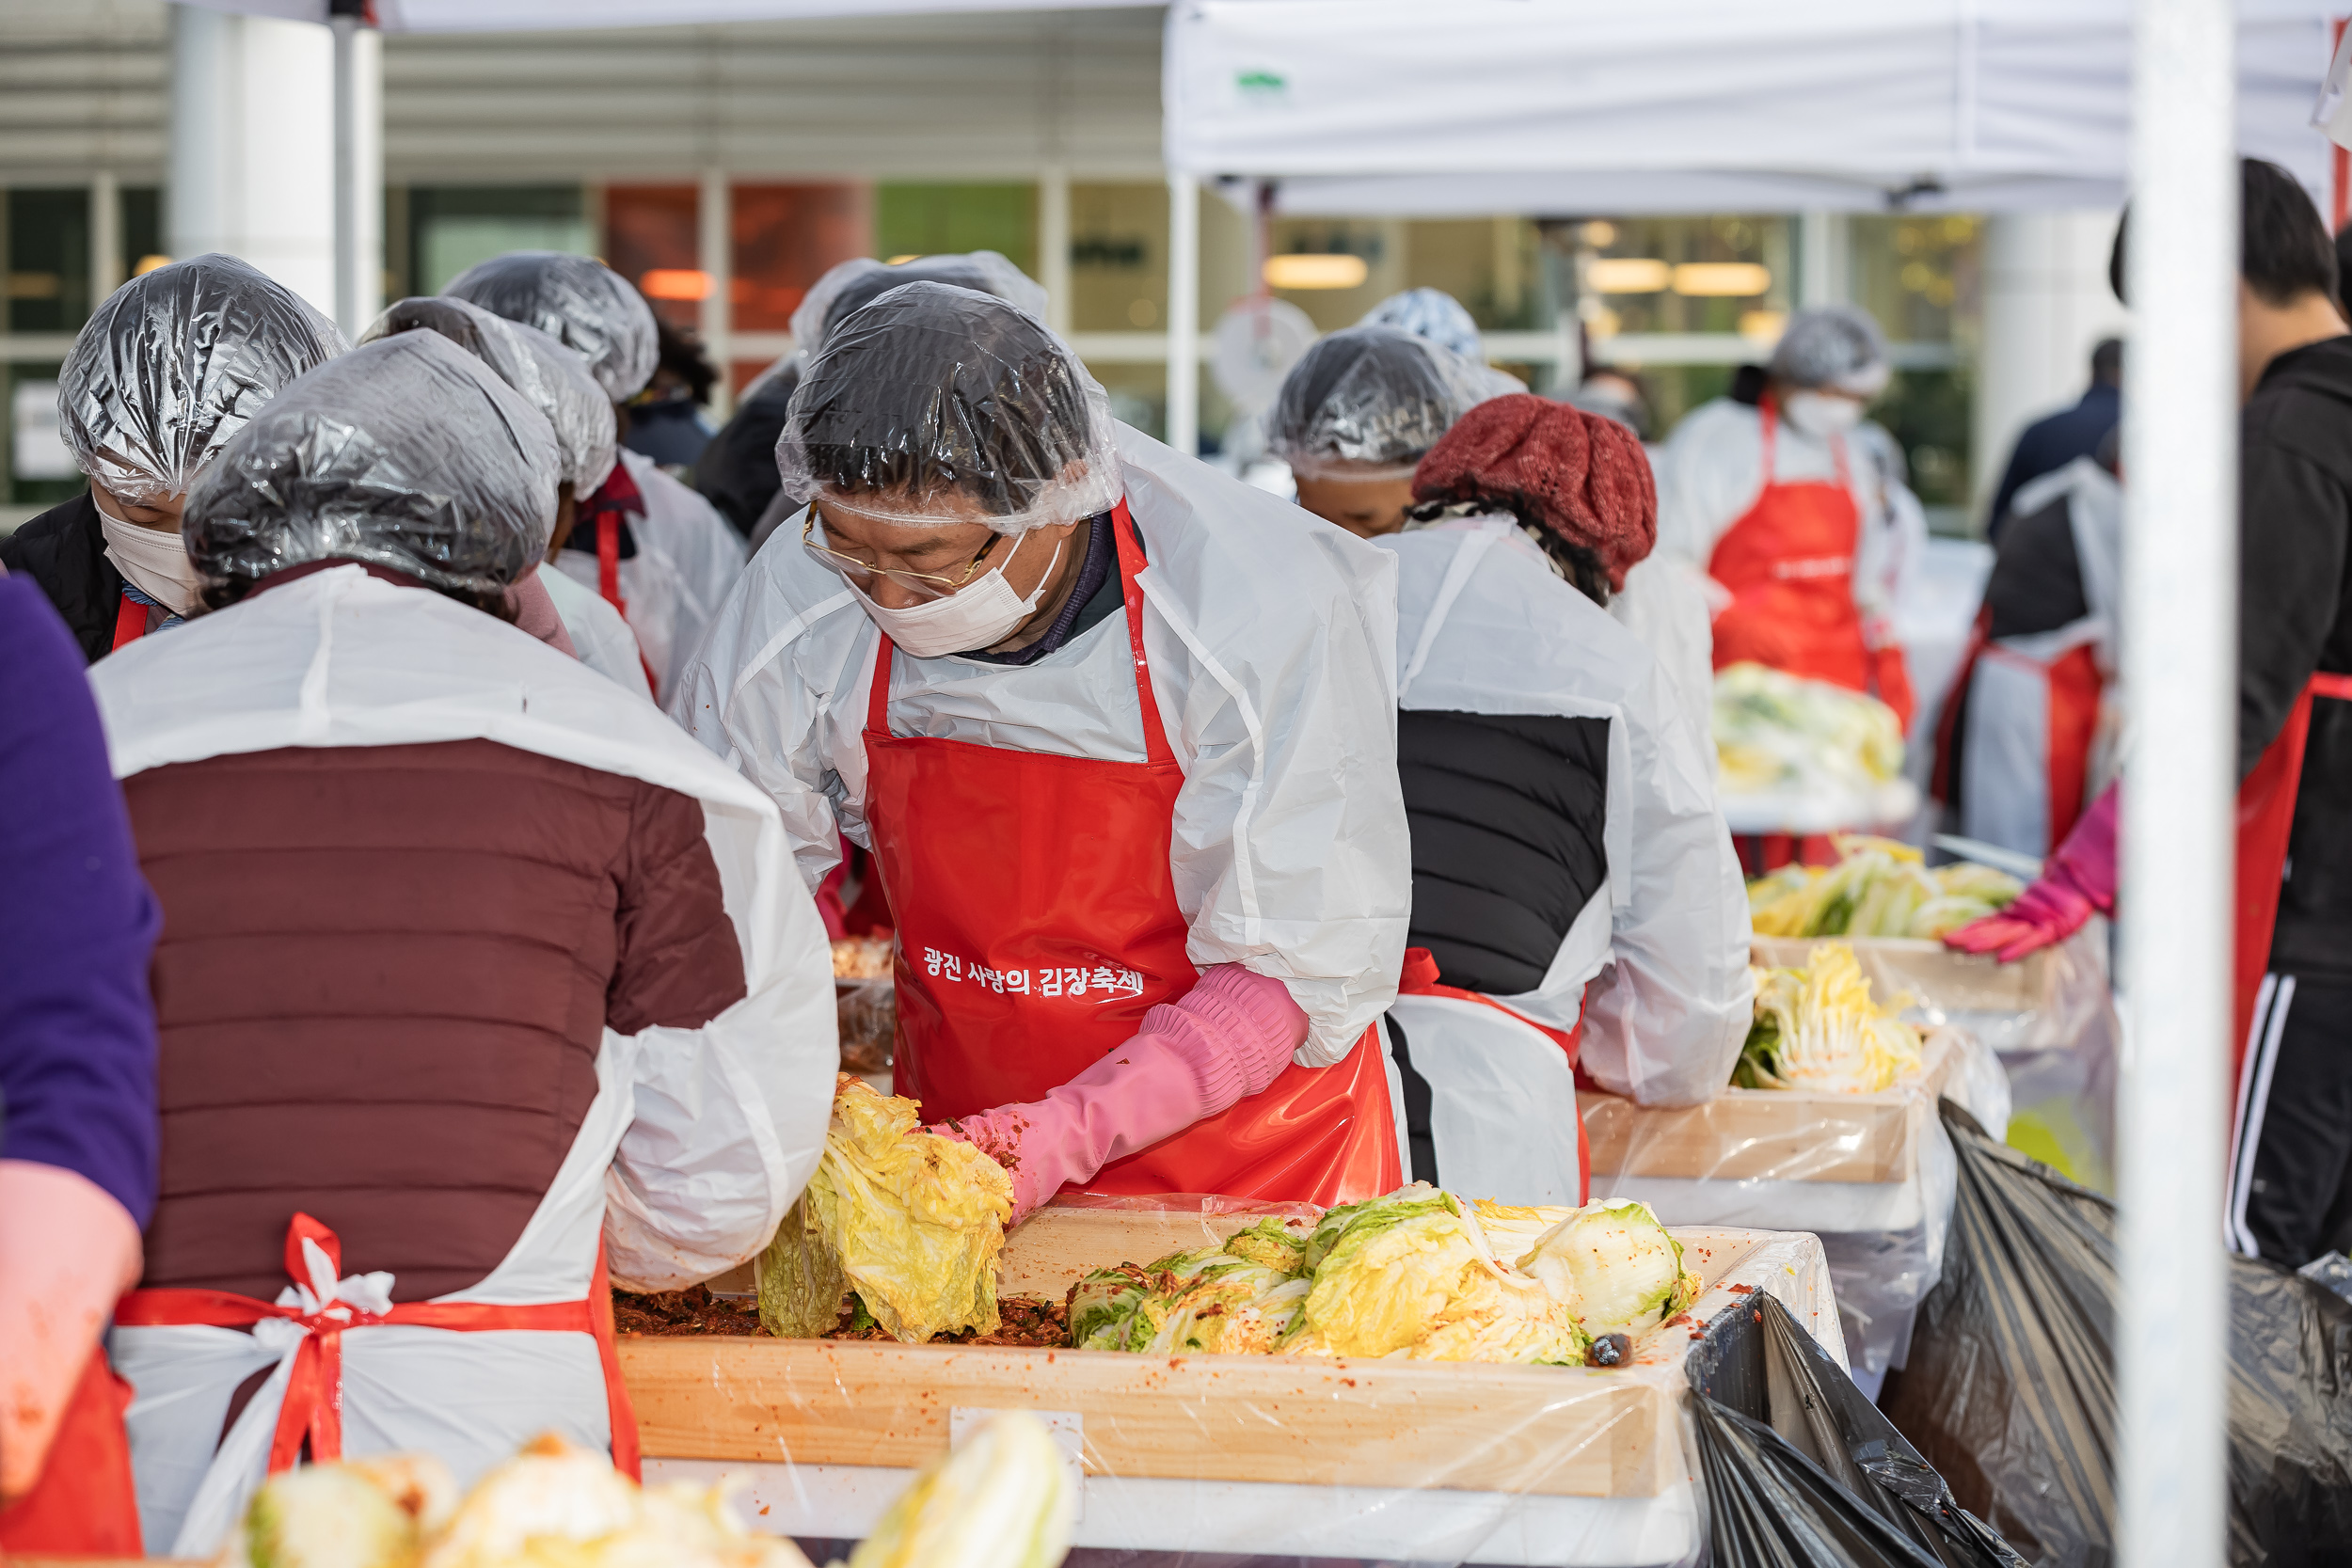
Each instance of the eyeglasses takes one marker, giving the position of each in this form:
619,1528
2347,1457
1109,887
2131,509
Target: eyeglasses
863,574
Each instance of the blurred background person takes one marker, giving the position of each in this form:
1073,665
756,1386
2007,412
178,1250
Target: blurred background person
651,547
667,421
78,1096
2027,738
169,367
738,469
1614,394
2051,442
466,1003
1797,509
1575,895
1359,409
555,383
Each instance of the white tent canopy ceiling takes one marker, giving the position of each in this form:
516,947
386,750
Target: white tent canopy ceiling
1570,106
519,16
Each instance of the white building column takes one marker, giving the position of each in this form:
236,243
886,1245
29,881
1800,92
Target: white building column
1052,245
359,107
1824,267
252,169
105,235
2047,304
714,249
1184,313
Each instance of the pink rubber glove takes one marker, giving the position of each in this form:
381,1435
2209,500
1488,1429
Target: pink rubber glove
1225,1037
66,1250
2076,881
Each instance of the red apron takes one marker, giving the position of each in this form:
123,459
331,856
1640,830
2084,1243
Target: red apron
2072,687
1419,978
2266,816
313,1407
1036,923
1789,565
86,1503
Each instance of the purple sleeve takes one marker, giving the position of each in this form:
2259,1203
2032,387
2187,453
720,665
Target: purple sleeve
77,924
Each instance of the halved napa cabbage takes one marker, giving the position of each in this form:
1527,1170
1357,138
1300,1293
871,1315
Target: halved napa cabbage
1614,1267
911,1221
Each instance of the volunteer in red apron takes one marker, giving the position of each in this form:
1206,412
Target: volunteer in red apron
1119,734
1575,896
2290,1196
480,985
164,373
78,1096
2026,741
647,543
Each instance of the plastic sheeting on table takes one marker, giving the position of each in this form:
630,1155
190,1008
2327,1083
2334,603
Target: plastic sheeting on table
2050,1017
1800,1471
1824,810
1203,1456
1870,1173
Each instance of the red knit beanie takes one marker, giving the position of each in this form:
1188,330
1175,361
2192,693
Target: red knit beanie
1582,476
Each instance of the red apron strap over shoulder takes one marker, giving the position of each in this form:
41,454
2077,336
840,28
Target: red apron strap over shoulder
130,622
2265,819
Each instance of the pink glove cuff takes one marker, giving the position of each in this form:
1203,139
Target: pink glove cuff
2084,864
1236,1028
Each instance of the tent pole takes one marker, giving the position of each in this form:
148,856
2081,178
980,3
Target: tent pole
2181,574
1184,313
343,18
714,245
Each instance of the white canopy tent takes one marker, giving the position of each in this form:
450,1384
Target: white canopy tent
1576,106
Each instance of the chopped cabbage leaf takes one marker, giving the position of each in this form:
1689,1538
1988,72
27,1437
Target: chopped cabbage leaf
1817,1028
1615,1268
1001,1498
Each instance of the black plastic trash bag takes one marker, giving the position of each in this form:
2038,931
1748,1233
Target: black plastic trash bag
1802,1471
2010,1389
2010,1386
2290,1420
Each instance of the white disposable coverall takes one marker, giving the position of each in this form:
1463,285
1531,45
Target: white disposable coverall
1485,626
687,560
1269,635
1712,469
695,1145
599,636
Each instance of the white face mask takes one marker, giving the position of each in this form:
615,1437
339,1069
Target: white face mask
980,614
1819,413
154,559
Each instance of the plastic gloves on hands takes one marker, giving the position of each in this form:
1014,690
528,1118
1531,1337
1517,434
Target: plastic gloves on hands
1193,1057
66,1250
2076,881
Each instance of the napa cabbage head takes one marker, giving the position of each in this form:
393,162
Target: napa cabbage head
1001,1498
1614,1267
1413,1275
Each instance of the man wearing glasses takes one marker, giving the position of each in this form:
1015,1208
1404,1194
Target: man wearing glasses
1119,734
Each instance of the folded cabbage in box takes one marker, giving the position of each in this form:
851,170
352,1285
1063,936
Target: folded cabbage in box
1817,1028
1412,1273
912,1222
1001,1498
1615,1268
1879,887
1236,1299
1777,732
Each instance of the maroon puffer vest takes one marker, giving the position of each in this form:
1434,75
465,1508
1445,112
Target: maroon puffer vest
383,978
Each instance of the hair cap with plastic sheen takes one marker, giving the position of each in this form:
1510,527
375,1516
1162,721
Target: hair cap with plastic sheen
1368,402
407,452
174,363
858,282
546,372
578,301
1837,346
933,395
1433,315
